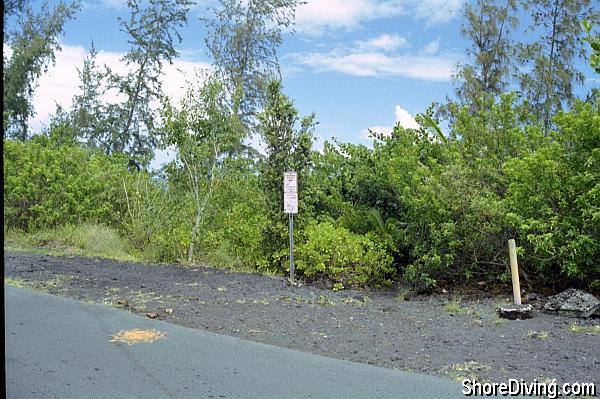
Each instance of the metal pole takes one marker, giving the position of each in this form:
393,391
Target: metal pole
291,247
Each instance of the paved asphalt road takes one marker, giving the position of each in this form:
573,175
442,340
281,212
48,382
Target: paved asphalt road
60,348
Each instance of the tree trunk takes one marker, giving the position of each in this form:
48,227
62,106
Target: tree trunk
199,211
195,230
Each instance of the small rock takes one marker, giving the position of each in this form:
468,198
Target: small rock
123,302
152,315
168,310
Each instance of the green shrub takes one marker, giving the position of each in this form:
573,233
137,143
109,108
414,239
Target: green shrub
554,199
238,214
48,186
148,208
344,257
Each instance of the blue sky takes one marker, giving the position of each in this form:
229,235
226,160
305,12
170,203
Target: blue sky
357,64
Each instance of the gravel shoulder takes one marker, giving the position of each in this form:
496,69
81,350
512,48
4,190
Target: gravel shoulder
436,335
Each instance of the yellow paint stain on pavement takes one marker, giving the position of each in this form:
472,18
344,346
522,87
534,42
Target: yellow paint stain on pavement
137,336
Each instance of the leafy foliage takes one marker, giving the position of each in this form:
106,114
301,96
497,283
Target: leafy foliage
554,198
288,149
341,256
48,185
235,220
201,132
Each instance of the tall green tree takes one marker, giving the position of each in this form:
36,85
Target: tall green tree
89,115
243,39
200,131
550,71
129,126
488,28
33,44
289,141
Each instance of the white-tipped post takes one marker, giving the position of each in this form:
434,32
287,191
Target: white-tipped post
514,271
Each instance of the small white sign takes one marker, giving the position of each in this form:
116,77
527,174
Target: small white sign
290,192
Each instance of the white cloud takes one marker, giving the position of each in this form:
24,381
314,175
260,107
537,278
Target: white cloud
384,42
316,16
405,119
431,48
61,82
437,11
162,157
6,51
115,4
319,143
422,67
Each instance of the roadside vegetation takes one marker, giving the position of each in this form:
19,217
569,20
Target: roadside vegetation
83,240
426,206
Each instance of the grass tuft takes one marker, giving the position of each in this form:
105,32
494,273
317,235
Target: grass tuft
454,308
471,370
52,285
576,328
17,282
537,334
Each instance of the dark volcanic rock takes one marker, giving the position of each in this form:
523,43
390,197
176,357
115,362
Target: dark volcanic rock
572,303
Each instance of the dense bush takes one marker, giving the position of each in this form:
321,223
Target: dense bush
235,220
446,208
341,256
554,199
46,185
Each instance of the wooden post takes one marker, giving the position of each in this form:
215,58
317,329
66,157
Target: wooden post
514,271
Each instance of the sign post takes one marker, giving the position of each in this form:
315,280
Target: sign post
514,271
290,206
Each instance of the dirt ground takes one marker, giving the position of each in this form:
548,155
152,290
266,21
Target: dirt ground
442,335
